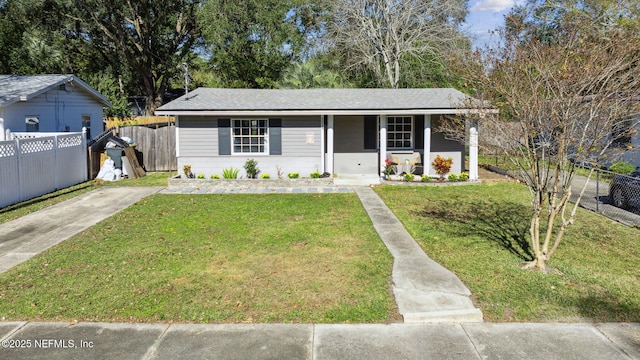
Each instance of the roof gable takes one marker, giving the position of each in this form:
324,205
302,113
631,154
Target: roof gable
14,88
307,100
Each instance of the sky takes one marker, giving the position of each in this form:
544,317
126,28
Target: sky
484,16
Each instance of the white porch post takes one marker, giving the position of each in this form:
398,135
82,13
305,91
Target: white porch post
330,144
323,163
473,152
383,141
426,161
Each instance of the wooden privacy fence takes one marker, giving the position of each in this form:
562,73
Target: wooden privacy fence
34,164
155,145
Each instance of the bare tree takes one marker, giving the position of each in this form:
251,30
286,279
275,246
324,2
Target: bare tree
562,101
380,35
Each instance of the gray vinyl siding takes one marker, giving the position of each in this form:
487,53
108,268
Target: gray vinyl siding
301,147
301,136
198,136
349,134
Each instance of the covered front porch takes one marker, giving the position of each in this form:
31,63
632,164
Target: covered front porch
359,145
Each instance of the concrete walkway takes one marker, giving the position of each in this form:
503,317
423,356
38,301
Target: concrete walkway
425,291
27,236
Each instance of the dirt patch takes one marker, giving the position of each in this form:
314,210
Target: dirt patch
487,176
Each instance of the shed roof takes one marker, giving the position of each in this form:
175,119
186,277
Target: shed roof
14,88
325,101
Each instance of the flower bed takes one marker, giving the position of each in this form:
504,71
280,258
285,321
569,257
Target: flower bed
180,182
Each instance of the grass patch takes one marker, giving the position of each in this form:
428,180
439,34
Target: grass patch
15,211
481,234
304,258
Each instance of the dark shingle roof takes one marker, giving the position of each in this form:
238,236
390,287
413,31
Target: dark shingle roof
208,99
14,88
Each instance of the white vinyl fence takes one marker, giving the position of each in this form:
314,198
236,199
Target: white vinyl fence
34,164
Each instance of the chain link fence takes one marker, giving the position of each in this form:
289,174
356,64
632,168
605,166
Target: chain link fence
612,195
607,193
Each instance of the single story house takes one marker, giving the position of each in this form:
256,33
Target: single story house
49,103
338,131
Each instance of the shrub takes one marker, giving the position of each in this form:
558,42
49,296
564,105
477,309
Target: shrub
442,166
464,176
251,167
389,168
426,178
315,175
200,176
230,173
408,177
215,176
293,175
452,177
265,176
622,167
187,171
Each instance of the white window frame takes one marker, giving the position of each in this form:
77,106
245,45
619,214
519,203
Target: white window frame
33,120
247,138
402,132
86,123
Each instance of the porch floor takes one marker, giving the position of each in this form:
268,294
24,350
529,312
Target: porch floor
357,179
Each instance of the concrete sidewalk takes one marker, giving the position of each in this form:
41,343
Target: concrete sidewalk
27,236
275,341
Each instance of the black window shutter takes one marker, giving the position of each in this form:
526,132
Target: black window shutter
224,137
418,132
275,136
371,132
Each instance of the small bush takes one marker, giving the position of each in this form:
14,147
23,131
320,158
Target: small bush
464,176
201,176
622,167
230,173
315,175
442,166
187,171
408,177
452,177
265,176
215,176
293,175
426,178
251,167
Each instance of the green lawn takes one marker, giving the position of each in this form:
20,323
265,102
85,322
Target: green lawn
480,233
301,258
